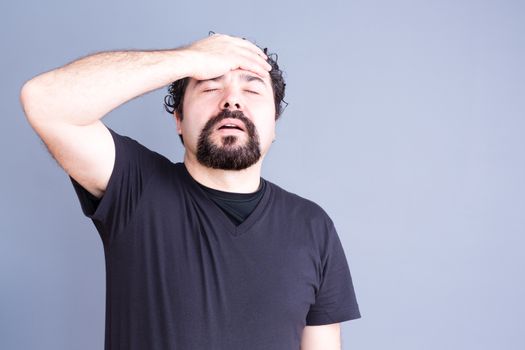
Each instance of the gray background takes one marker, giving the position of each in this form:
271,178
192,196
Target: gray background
406,124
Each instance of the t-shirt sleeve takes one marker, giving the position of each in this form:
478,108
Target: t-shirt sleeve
335,299
134,166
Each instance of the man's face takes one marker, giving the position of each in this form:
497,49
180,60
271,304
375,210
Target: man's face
229,121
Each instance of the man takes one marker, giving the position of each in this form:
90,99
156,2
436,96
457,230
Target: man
204,254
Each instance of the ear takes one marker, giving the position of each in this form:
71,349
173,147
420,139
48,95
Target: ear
178,120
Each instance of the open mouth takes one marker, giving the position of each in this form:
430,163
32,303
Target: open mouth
230,126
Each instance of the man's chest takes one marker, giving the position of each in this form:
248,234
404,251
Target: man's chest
192,265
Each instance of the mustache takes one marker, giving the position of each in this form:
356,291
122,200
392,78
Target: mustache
227,113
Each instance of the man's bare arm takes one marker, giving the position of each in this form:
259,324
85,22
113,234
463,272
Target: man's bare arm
64,106
85,90
325,337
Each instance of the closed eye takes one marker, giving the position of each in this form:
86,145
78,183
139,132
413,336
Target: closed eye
209,90
252,92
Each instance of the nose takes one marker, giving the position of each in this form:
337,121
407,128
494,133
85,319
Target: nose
227,105
231,100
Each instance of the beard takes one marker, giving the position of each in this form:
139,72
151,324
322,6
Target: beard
230,154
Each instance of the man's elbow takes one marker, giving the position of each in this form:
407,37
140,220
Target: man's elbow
28,95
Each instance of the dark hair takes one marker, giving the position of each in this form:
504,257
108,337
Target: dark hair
174,100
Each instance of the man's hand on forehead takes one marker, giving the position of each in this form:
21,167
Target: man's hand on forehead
218,54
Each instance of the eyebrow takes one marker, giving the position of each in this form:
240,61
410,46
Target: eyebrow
248,78
245,77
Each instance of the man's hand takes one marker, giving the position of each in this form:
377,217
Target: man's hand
218,54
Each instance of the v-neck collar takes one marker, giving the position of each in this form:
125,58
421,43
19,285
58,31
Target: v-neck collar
212,207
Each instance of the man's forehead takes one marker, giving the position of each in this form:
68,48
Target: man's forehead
238,74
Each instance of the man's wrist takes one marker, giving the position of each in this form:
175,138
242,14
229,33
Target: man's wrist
180,58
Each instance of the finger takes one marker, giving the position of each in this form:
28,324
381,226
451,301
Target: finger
245,48
257,71
242,42
259,59
251,46
249,64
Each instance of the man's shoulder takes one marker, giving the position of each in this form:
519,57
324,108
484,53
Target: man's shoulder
133,152
297,204
137,148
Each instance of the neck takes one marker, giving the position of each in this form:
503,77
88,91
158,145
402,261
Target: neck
239,181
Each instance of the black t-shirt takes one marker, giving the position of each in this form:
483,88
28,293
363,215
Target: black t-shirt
238,206
181,275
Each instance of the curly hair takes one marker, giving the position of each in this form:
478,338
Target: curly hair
174,100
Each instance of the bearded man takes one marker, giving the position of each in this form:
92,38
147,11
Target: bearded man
204,253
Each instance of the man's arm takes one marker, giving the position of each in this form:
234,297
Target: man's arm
325,337
64,106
